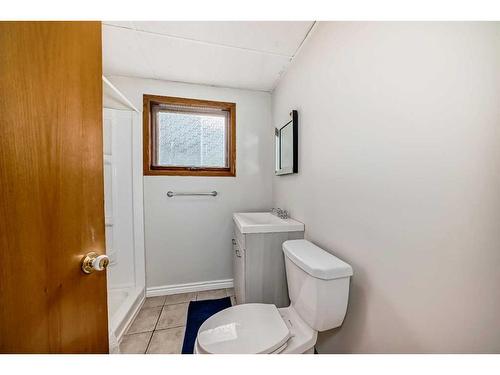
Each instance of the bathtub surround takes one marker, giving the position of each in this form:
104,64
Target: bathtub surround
188,239
124,217
399,149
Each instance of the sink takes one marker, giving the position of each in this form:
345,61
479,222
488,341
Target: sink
265,222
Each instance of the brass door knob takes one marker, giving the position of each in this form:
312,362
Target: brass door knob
94,262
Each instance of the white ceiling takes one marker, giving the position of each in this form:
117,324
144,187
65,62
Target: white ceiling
251,55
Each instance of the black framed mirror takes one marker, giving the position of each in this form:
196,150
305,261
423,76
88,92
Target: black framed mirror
287,146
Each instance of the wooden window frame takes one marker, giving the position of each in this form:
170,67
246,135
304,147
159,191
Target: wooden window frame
149,141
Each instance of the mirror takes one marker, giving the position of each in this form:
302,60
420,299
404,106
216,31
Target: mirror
286,146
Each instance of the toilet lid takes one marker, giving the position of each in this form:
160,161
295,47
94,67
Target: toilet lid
249,328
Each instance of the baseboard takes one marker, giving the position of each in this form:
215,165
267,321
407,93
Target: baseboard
165,290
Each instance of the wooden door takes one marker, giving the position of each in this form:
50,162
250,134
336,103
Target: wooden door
51,188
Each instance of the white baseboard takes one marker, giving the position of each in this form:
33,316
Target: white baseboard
165,290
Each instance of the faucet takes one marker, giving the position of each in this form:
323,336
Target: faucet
282,214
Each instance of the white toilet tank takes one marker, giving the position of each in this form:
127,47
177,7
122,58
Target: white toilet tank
318,284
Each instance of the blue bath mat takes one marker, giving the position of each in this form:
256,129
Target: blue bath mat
198,312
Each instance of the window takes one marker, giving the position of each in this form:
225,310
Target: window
189,137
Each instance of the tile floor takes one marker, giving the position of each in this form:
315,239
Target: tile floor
159,325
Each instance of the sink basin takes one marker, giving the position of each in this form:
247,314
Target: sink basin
265,222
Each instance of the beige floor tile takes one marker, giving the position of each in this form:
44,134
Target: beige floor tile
146,320
211,294
230,292
136,343
233,301
180,298
173,316
167,341
154,302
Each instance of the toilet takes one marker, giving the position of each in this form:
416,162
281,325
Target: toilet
318,285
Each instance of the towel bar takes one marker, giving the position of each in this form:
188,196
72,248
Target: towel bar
171,194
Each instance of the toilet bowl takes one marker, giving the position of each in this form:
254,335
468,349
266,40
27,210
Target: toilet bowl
318,285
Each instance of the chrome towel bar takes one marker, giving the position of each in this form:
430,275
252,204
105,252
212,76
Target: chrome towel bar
171,194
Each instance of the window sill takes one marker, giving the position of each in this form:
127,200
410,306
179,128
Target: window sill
156,171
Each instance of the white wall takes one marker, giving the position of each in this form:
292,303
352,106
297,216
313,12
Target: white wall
188,240
399,175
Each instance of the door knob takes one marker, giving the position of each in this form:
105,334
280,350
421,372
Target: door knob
94,262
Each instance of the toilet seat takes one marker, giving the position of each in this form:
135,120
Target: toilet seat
249,328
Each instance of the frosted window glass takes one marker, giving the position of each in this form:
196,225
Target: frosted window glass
191,140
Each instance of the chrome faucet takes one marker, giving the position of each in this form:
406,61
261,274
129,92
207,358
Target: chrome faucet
282,214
